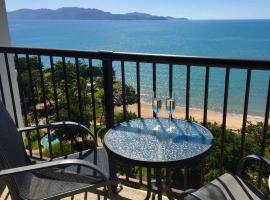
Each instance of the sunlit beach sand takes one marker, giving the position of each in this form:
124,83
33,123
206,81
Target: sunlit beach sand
234,121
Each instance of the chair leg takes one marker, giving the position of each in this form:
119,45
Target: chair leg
110,191
116,187
106,193
85,196
153,196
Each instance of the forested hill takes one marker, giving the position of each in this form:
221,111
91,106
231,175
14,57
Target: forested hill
75,13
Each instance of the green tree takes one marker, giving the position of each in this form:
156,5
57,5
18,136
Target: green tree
130,92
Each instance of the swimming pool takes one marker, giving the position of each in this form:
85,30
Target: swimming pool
54,139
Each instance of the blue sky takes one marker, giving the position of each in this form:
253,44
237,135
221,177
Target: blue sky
193,9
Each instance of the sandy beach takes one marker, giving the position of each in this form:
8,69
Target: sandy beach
234,121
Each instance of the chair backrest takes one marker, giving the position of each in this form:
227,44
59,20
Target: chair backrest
12,153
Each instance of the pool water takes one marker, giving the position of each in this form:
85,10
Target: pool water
54,139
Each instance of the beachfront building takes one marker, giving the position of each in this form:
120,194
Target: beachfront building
39,86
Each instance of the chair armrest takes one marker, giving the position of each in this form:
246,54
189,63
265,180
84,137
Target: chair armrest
56,125
192,193
52,164
243,161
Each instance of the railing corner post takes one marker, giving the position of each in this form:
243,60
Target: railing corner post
108,87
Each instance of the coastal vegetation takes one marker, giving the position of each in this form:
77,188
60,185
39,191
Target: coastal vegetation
61,91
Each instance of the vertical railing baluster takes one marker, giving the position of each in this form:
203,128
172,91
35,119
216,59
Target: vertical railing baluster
264,133
93,97
185,177
170,80
123,90
66,86
44,103
138,75
140,175
243,131
22,97
124,105
138,88
2,92
266,119
154,70
108,89
33,100
159,183
79,89
187,92
226,91
149,187
42,85
79,98
54,89
11,90
67,95
205,112
202,164
127,167
56,100
169,182
206,88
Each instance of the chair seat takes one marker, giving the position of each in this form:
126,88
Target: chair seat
102,162
227,187
58,181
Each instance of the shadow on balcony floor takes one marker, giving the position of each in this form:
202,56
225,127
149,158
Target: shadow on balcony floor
126,194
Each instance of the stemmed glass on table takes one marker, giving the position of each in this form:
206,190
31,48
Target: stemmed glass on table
156,106
170,107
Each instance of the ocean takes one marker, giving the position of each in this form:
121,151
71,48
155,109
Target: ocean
215,38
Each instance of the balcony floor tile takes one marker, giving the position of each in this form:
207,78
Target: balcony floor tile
126,194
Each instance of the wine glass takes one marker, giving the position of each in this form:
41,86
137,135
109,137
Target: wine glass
156,106
170,107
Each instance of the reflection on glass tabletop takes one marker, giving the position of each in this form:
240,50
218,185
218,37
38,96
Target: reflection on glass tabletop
158,140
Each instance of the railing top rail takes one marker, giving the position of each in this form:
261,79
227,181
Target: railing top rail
194,60
143,57
50,52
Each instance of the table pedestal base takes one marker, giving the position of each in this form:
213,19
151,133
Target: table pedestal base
158,186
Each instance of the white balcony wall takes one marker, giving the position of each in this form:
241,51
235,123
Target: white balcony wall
5,41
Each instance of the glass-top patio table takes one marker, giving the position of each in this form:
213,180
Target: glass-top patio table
158,143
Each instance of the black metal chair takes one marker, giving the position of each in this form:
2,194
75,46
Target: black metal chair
230,187
79,172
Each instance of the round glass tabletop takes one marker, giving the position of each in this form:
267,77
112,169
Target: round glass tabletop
158,140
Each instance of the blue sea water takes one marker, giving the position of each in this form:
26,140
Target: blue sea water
221,38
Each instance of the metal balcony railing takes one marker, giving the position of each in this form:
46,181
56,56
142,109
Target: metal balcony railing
50,56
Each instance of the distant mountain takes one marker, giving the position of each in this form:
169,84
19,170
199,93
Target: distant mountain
75,13
174,18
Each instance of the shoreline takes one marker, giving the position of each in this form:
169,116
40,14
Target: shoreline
234,121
